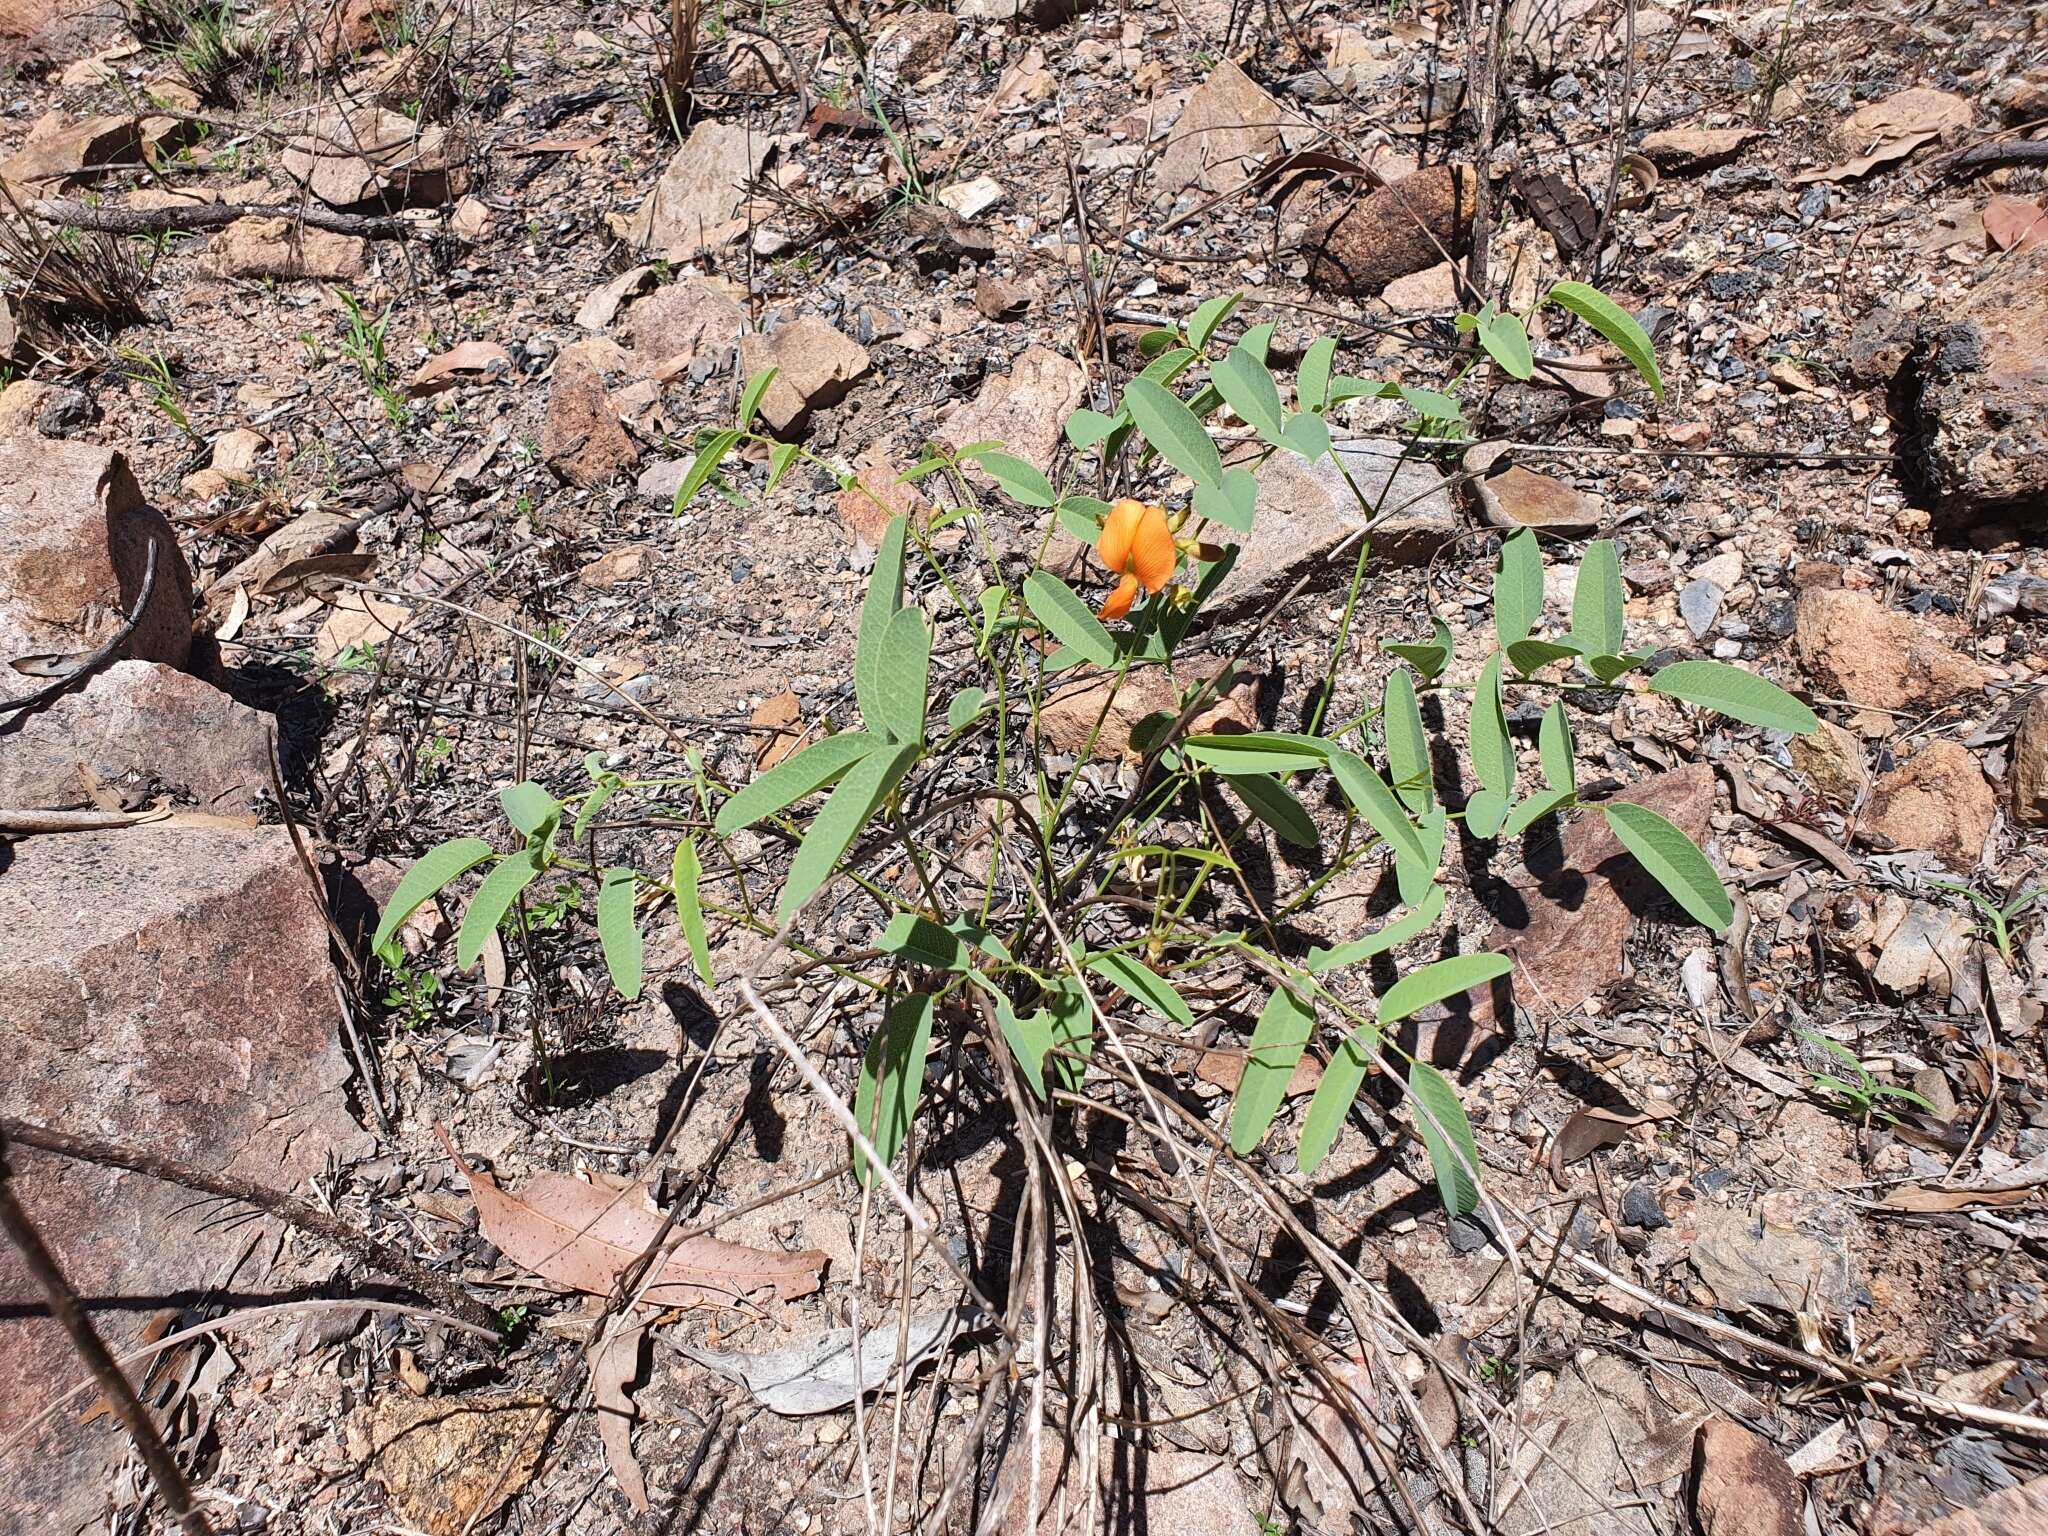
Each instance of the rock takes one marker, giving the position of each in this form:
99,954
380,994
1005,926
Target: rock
1983,400
74,539
877,496
169,984
1880,344
1699,604
1741,1485
1875,658
350,27
1226,133
142,729
57,152
971,199
1071,712
284,248
38,32
373,156
695,206
1000,299
1916,946
1915,110
681,321
1025,409
1510,496
941,240
629,562
1600,1426
1937,801
449,1465
914,44
1832,760
2030,766
1307,510
1423,293
816,366
42,410
1640,1208
2020,1511
601,305
1408,226
581,439
1696,149
1763,1259
659,482
236,453
1568,933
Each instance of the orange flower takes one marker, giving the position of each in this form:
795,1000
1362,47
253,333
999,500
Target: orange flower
1137,544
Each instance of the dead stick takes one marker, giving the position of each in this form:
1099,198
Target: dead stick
1987,157
64,1307
157,221
288,1208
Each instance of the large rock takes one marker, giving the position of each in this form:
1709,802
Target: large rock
372,156
58,151
1228,131
1406,226
1025,409
1875,658
284,248
1742,1486
44,31
74,540
1307,510
169,987
2030,766
677,322
1984,389
696,205
815,365
581,438
140,727
1937,802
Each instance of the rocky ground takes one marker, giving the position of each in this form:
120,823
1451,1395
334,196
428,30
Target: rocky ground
354,359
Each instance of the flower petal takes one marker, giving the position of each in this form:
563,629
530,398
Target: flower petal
1119,528
1120,600
1153,556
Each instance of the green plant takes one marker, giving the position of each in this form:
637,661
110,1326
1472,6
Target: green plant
153,371
1996,920
363,342
431,762
210,43
412,998
1858,1096
1123,903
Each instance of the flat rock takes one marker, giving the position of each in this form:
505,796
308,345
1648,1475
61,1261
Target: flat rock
1307,510
1937,801
1767,1259
1422,293
1741,1485
815,363
673,326
36,32
1696,149
141,728
57,151
1510,496
374,156
1832,760
581,438
171,986
695,206
2020,1511
1599,1426
1983,402
1227,131
1072,710
284,248
74,540
1407,226
1876,658
1025,409
2030,765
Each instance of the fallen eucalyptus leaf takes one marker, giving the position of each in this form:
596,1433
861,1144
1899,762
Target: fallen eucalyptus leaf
819,1374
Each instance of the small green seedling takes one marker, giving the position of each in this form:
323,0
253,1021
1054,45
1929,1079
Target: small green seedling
1860,1097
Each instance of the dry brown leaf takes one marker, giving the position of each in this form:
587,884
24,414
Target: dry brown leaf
614,1362
577,1236
1916,110
2014,224
1919,1197
1586,1131
1226,1070
454,367
774,715
1887,153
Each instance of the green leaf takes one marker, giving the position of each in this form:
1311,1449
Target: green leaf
1233,501
1518,588
528,807
823,762
839,821
1447,1135
1735,693
1506,341
1086,428
1493,755
1207,316
1174,430
1438,980
1021,482
750,397
1278,1040
1312,378
430,872
1674,860
903,676
920,941
1334,1095
1598,617
1408,761
965,708
1554,749
1388,936
1428,660
1486,811
1275,804
1247,386
1256,752
892,1080
493,898
703,467
1142,983
1306,435
878,611
1370,797
618,935
1527,656
780,457
1082,517
1054,604
1526,814
1614,323
685,876
1608,668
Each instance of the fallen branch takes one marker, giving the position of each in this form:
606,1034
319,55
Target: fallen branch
157,221
1989,157
287,1208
